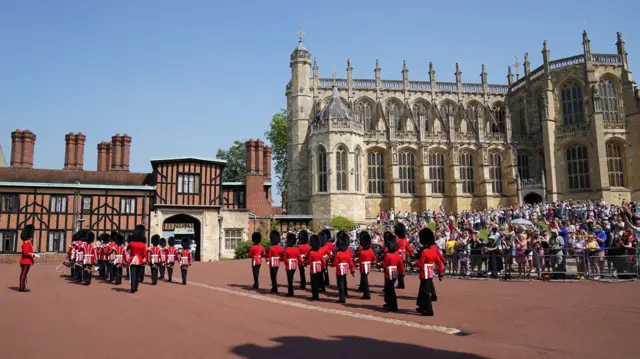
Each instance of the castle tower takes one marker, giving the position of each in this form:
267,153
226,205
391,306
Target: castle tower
300,109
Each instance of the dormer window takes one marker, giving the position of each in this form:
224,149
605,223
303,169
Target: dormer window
188,183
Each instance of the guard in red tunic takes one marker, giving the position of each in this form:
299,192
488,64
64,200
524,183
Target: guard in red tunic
343,261
172,257
153,258
118,253
292,260
322,237
89,255
27,257
102,251
393,267
77,254
110,267
428,263
327,243
316,262
184,257
366,258
274,256
256,254
404,249
137,252
71,255
305,248
163,257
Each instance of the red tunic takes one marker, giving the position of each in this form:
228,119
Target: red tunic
27,253
163,254
103,252
343,261
304,252
137,252
274,256
153,255
429,258
256,253
393,265
89,254
434,247
404,247
172,255
316,262
110,247
366,258
118,255
184,256
292,258
330,247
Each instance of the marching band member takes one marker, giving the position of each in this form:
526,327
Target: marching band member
184,256
111,258
366,258
343,261
27,257
393,267
102,251
256,253
172,257
304,247
322,236
429,259
77,264
163,257
292,260
127,257
137,251
71,254
403,247
274,255
153,258
118,253
316,262
89,255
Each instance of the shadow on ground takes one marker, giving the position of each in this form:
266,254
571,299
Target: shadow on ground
343,346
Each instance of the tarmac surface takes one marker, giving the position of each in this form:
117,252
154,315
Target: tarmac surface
218,315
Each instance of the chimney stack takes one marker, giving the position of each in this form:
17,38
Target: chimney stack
259,149
74,151
250,150
104,156
266,167
22,148
120,151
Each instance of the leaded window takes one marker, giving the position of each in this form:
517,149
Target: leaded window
495,172
436,172
522,163
571,102
341,169
466,172
322,170
615,165
407,161
578,167
608,99
375,175
358,178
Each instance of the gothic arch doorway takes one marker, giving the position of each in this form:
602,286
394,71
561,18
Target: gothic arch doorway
532,198
181,226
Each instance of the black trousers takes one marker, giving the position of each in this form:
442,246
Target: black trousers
183,269
273,272
87,273
111,271
290,274
154,274
364,285
401,281
128,274
161,270
141,273
390,294
24,270
256,276
170,272
325,273
303,277
425,294
117,275
102,269
316,281
134,273
79,270
342,287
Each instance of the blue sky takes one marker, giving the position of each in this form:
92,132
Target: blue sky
189,77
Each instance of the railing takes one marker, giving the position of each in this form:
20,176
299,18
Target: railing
420,85
530,182
573,129
406,135
499,88
472,88
518,84
606,58
566,62
495,136
436,136
319,125
375,135
392,84
615,125
364,83
466,137
329,83
536,73
446,86
342,82
340,123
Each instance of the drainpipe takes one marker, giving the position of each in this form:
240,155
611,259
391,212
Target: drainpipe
220,219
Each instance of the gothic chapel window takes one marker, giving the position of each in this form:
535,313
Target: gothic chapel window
608,99
578,167
341,169
407,172
420,113
375,175
358,170
615,165
365,114
436,172
322,170
571,102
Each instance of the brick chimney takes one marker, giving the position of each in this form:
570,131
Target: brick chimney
266,166
259,154
250,148
22,148
120,151
74,151
104,156
256,199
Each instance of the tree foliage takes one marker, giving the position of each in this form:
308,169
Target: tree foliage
342,223
277,135
242,250
236,162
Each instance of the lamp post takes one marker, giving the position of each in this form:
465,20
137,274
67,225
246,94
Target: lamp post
220,219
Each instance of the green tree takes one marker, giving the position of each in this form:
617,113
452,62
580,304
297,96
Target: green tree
277,135
342,223
236,162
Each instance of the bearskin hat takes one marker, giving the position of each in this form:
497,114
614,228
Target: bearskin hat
112,237
303,237
390,242
365,240
155,239
27,232
186,241
328,234
291,239
400,230
256,238
172,241
343,241
104,238
139,234
323,238
315,242
426,237
129,238
119,239
89,237
163,242
275,238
